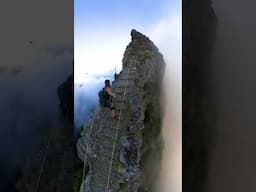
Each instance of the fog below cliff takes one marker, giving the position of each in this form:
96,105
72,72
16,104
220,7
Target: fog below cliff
171,167
170,178
233,162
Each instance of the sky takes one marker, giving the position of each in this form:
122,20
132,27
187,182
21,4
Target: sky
102,32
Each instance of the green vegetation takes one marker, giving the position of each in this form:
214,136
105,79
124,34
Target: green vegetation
123,187
77,179
78,174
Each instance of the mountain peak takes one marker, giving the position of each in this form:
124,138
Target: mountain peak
142,41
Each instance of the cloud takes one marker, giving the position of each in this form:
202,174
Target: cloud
100,53
166,34
86,97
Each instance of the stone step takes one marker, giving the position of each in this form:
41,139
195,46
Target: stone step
107,154
130,70
81,147
101,160
130,67
103,172
99,181
101,157
121,105
127,77
109,123
102,163
121,89
97,189
133,188
123,80
106,132
132,90
122,86
104,147
83,142
98,186
98,178
106,151
103,143
120,98
111,128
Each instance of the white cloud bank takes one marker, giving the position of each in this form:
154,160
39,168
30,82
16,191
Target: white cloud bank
167,36
99,54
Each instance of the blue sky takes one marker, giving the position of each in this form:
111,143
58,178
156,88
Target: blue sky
102,31
115,13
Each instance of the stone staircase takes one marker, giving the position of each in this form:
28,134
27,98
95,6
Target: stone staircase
103,137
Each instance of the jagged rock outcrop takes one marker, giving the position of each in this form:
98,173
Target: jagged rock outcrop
138,88
198,114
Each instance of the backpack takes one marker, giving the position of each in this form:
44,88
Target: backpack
103,98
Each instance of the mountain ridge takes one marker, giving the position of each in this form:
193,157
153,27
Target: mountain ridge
137,135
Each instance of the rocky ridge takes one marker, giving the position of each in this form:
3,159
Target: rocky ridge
138,89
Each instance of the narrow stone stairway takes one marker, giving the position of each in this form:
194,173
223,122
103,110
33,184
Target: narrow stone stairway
106,133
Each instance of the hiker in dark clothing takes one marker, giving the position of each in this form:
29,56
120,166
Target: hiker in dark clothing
111,97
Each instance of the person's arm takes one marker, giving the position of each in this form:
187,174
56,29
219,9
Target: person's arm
110,92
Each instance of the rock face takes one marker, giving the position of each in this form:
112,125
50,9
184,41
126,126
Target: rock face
138,128
198,114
